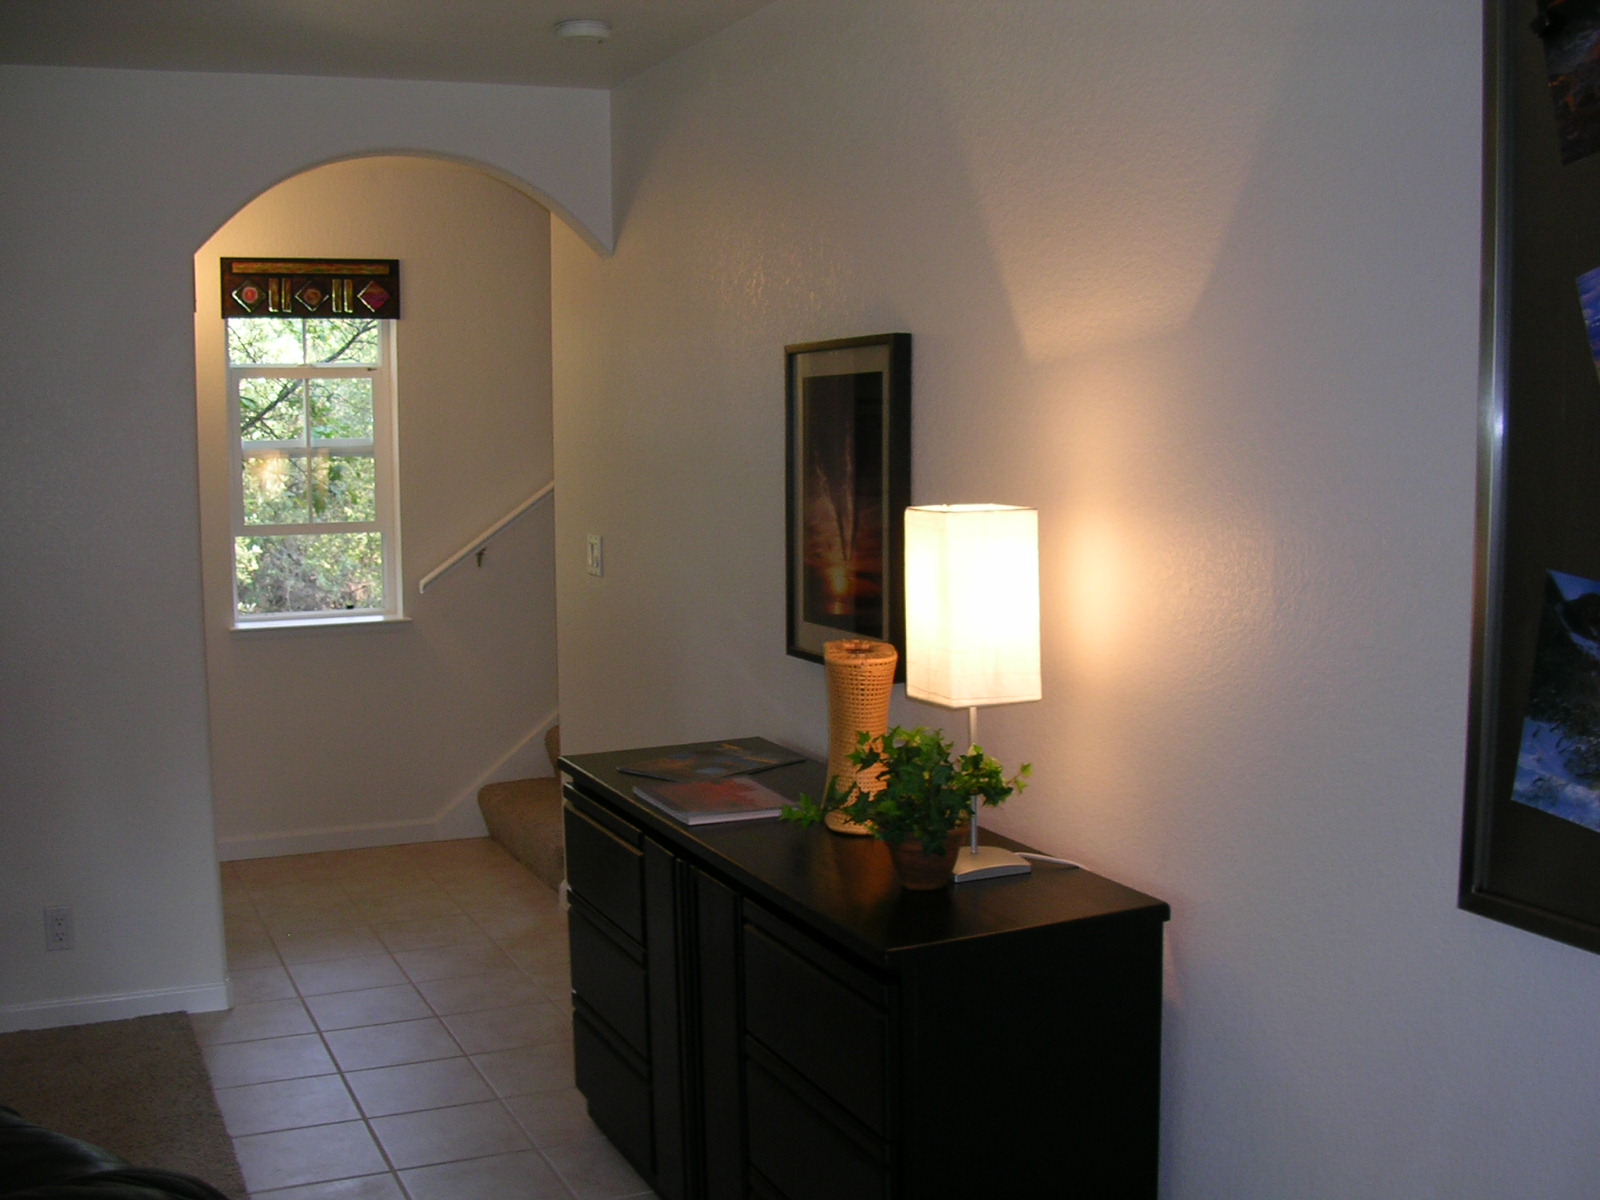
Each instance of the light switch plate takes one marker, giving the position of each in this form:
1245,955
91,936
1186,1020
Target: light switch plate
596,555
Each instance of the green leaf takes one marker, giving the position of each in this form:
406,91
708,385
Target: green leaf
927,791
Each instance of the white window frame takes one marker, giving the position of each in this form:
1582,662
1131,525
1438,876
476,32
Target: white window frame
384,449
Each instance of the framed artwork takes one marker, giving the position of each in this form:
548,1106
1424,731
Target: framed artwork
848,479
1530,853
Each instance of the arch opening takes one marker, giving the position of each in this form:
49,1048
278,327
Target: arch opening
330,738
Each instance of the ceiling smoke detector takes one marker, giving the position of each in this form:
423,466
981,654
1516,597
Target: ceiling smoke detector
584,32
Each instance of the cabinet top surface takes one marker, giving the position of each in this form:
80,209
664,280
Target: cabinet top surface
848,884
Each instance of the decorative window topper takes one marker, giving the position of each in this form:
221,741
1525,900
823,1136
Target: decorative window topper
311,287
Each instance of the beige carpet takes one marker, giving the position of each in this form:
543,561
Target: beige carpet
137,1088
524,816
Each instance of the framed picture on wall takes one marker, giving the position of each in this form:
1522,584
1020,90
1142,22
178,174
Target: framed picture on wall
1530,852
848,478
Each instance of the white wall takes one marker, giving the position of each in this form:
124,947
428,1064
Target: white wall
374,733
1199,281
111,181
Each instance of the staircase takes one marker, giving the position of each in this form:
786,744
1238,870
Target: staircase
524,816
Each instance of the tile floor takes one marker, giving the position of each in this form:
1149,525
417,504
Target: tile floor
401,1030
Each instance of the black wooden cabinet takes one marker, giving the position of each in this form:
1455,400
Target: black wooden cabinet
760,1011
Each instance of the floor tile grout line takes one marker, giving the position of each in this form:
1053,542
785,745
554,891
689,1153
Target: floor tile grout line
344,1081
528,1133
434,1012
498,1100
338,1070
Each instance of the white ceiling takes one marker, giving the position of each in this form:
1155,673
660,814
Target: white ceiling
484,41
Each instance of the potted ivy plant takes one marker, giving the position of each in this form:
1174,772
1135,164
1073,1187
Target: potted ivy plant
918,797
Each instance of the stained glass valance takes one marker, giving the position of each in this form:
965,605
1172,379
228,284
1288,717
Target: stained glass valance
311,287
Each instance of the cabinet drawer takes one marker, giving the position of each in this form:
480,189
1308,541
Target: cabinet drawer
603,868
617,1090
608,978
827,1031
823,1029
804,1155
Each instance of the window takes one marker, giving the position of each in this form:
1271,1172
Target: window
314,508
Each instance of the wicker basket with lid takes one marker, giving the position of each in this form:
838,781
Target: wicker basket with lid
860,679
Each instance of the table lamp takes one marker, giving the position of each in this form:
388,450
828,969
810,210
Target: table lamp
972,626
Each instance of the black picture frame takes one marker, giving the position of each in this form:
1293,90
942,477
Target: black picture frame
847,485
1538,506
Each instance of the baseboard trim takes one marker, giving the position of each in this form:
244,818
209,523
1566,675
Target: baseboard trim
466,801
459,818
84,1010
342,837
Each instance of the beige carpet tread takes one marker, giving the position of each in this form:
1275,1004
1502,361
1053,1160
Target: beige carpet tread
524,816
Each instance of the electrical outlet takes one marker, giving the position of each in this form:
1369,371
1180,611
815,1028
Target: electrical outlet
596,555
58,928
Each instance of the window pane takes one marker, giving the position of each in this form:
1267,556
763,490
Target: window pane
342,342
274,489
272,410
309,572
344,487
275,341
341,408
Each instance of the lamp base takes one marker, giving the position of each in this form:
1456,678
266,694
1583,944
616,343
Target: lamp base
988,862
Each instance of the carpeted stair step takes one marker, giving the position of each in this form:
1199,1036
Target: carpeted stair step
524,816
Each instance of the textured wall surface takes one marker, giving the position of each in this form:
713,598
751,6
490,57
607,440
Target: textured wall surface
112,181
1199,281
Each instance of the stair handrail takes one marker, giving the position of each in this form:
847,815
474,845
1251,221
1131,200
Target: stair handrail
483,539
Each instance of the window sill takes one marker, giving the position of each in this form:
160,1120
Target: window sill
317,625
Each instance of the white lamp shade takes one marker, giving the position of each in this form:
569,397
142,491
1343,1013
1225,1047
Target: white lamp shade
972,604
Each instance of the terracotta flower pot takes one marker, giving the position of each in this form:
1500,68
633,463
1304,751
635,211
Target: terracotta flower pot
921,872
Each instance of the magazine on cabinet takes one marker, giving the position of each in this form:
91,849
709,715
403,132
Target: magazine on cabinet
708,801
714,762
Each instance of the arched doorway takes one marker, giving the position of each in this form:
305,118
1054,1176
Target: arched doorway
328,737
